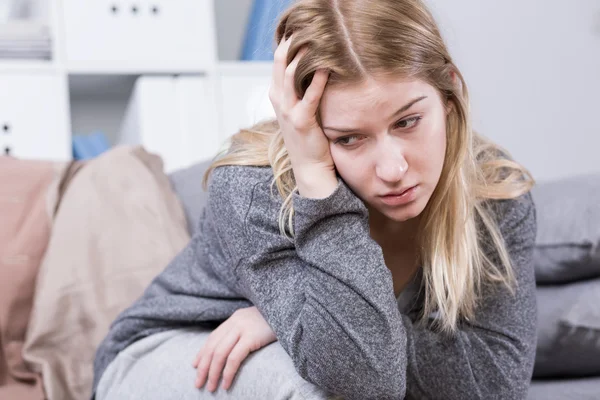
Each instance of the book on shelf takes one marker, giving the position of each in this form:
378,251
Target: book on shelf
89,146
259,41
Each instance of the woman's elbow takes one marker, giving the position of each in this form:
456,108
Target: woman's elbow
345,373
354,384
507,380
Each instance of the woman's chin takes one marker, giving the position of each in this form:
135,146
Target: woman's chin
403,212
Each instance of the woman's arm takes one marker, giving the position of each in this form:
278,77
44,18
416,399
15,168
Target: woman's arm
328,295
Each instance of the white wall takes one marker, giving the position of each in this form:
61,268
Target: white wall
533,71
231,20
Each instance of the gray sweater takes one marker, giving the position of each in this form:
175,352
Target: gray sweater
329,297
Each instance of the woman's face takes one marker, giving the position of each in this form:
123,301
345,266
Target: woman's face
385,136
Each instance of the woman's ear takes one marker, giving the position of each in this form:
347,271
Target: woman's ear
456,82
457,87
453,76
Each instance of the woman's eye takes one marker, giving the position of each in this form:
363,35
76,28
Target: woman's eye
408,122
347,141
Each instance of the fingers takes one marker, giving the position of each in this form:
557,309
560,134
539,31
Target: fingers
238,354
279,66
213,359
225,349
202,369
219,358
282,91
204,356
314,93
214,337
290,99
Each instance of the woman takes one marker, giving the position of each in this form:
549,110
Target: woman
393,260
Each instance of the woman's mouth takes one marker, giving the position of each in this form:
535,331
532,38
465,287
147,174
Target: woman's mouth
398,199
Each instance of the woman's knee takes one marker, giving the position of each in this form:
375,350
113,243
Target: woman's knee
267,373
166,372
270,370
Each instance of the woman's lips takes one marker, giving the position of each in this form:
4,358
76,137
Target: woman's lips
406,197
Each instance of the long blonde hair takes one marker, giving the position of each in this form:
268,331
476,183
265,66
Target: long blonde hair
357,39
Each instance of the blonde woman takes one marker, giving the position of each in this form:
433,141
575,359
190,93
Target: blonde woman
366,243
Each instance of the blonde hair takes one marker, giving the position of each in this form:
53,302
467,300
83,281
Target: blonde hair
357,39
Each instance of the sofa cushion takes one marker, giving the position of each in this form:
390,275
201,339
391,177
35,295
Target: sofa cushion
117,227
568,218
565,389
187,184
568,342
26,204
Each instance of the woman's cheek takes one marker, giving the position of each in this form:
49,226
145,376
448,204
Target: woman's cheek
342,164
335,154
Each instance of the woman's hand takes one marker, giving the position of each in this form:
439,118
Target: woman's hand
305,142
242,333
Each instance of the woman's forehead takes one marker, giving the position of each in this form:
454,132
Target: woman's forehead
338,105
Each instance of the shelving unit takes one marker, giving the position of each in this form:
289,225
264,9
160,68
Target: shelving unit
27,66
125,68
532,86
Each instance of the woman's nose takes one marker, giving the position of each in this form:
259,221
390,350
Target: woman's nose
391,167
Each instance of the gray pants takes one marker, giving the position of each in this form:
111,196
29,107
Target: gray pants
160,367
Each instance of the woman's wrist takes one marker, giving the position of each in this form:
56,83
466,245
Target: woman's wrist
316,183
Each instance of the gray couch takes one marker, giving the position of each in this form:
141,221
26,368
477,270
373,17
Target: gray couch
567,268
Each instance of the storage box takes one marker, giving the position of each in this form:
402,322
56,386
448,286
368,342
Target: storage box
174,117
140,36
244,95
34,121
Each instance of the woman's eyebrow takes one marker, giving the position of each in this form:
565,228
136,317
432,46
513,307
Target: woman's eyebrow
400,111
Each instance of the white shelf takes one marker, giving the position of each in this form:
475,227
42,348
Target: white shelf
227,67
179,41
247,67
89,69
100,86
28,66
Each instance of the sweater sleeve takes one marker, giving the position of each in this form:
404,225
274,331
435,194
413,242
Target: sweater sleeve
329,298
328,295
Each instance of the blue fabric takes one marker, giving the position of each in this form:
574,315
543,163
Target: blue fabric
259,42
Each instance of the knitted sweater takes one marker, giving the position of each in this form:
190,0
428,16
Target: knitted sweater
329,297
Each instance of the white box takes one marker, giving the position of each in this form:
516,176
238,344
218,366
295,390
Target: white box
243,95
175,118
198,114
141,36
34,116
